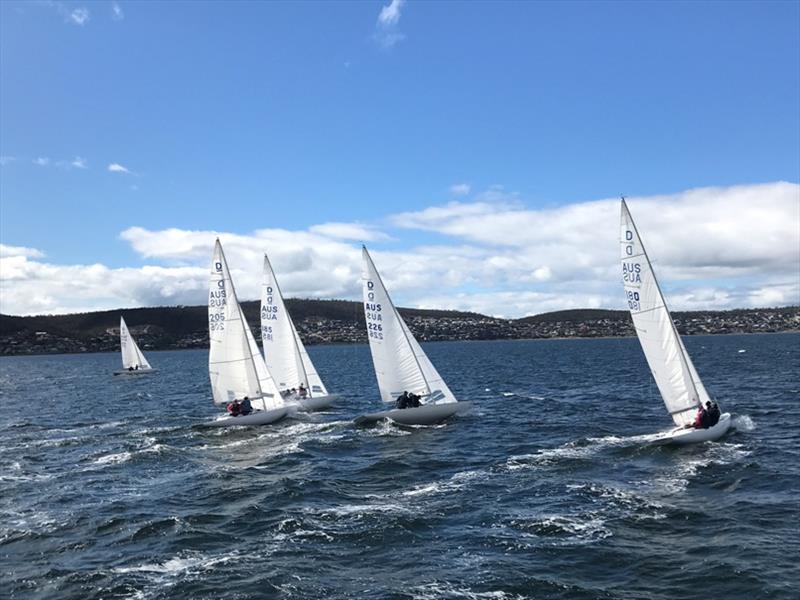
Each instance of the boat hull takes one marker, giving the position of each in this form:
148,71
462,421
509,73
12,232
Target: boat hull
259,417
429,414
680,436
315,403
135,372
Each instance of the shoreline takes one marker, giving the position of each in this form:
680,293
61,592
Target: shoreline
365,343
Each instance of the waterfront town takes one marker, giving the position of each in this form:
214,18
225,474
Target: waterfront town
340,322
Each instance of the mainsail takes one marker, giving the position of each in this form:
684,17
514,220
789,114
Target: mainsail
132,357
235,364
675,375
284,353
400,363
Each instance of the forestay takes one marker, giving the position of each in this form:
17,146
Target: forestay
284,353
400,363
675,375
235,365
131,355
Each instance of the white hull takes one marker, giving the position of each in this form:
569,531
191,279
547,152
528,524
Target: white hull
682,436
312,404
429,414
259,417
135,372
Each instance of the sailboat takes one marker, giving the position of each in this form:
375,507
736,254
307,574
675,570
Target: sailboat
284,354
133,361
399,361
677,380
235,365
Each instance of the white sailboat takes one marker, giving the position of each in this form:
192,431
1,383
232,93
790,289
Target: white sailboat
677,380
133,361
400,363
284,354
235,365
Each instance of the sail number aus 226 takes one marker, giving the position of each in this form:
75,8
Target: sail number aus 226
372,312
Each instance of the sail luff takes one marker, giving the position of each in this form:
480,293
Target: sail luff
396,362
236,368
662,345
285,361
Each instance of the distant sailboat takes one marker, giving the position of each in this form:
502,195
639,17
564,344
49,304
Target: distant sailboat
235,365
677,380
133,361
284,354
400,363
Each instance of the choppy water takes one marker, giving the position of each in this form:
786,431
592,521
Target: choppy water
547,490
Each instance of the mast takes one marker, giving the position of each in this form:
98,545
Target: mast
245,328
298,357
399,318
682,350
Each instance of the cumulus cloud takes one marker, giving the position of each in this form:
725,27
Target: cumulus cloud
116,12
118,168
4,160
386,33
41,161
78,163
713,248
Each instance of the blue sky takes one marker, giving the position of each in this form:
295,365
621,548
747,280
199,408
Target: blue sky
240,116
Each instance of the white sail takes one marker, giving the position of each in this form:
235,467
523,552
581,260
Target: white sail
284,353
674,373
131,354
235,365
400,363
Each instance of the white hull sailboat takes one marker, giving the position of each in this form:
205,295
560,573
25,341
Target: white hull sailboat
235,365
399,361
678,382
284,354
133,360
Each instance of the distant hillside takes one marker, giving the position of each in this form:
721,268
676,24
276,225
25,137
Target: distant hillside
578,316
342,321
181,320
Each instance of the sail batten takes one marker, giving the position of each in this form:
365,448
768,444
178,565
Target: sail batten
400,363
235,365
675,376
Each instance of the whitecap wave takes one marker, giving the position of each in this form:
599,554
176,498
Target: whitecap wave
181,564
743,423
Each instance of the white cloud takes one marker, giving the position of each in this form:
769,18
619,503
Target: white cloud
713,248
390,15
74,16
9,251
79,16
79,163
4,160
41,161
349,231
386,34
460,189
116,12
118,168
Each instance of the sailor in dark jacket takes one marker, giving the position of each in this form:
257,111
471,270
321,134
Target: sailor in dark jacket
713,413
403,400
